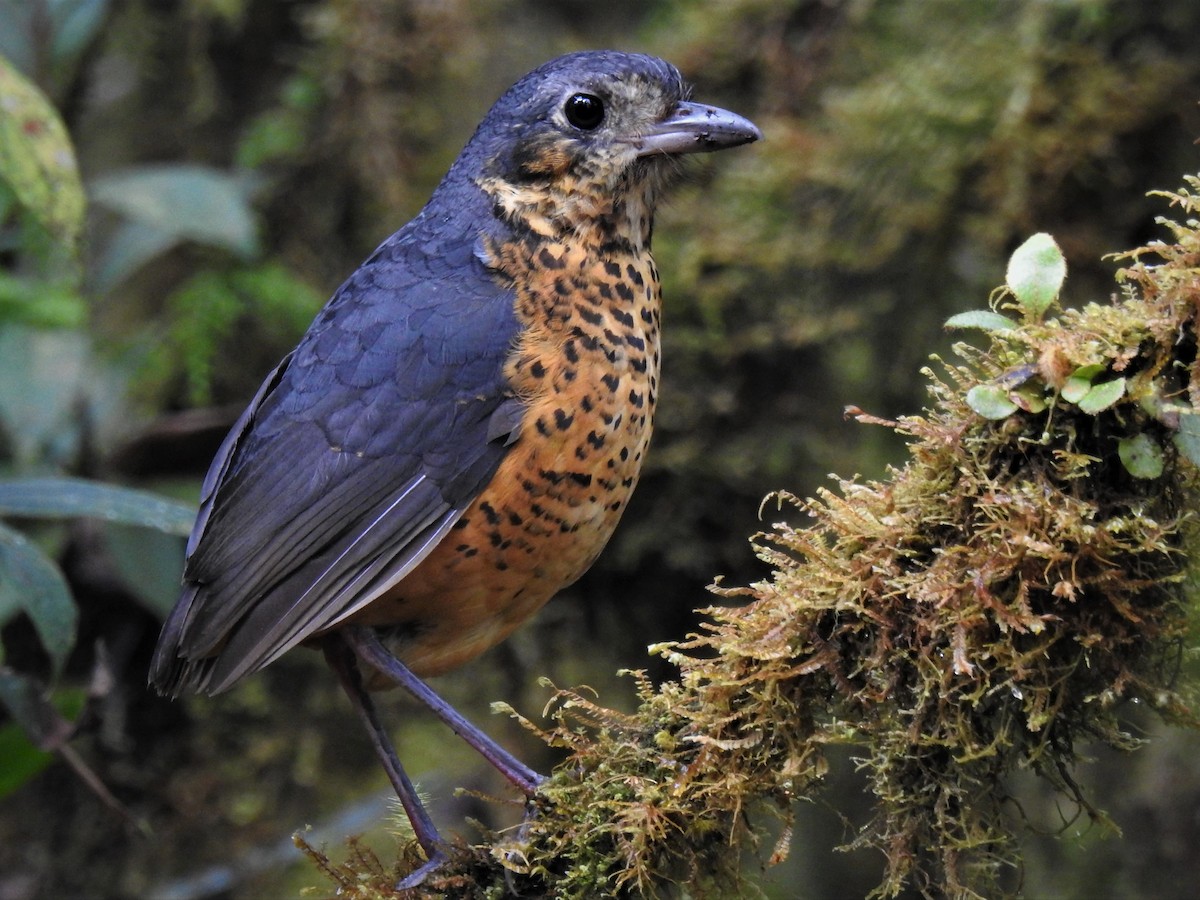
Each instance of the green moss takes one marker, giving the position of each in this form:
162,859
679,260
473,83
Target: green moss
988,607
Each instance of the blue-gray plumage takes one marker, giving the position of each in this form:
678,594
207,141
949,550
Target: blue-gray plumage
458,432
374,436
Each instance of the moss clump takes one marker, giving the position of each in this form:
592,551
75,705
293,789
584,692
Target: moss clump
990,606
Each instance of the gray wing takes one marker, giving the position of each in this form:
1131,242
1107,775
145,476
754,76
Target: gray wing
356,456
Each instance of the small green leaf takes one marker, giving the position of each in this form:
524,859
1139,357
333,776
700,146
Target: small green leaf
31,583
1102,396
1187,438
1075,388
983,319
1029,398
22,760
1141,455
990,401
28,702
42,721
37,161
1035,275
71,498
1088,372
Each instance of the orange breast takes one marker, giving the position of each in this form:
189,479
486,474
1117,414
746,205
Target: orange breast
587,365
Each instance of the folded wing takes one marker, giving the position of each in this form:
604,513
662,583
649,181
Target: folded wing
357,455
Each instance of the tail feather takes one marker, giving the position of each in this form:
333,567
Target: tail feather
171,673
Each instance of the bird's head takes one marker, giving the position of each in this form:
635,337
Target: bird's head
588,140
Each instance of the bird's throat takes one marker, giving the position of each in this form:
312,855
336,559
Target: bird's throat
580,208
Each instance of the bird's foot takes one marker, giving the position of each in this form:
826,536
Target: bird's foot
416,878
531,813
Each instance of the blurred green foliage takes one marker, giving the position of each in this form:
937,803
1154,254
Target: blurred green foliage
204,311
41,215
243,156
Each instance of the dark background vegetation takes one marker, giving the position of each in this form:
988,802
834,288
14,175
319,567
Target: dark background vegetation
241,158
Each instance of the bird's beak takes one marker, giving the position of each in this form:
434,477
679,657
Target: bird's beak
696,128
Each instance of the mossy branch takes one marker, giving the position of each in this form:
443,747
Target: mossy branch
989,606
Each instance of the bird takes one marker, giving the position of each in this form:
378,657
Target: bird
455,437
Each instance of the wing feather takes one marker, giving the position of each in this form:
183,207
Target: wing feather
354,459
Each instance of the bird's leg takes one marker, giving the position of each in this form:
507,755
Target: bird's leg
367,645
343,661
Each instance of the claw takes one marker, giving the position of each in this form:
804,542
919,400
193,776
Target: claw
416,878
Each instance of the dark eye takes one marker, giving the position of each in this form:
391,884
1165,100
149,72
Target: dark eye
585,111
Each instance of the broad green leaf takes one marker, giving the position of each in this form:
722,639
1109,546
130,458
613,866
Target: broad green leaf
132,245
37,160
1141,456
70,498
1102,396
983,319
149,562
31,583
1036,272
990,401
184,202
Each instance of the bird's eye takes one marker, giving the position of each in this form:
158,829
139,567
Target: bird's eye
584,111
